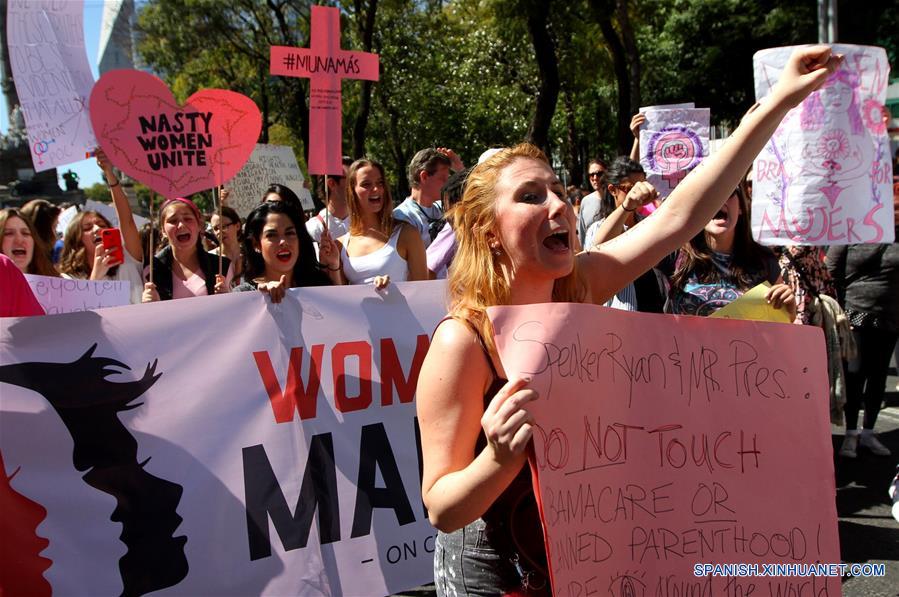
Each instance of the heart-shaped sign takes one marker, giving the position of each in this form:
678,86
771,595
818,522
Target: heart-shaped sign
175,150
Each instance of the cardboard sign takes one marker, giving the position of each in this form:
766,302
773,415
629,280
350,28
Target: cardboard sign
282,461
662,443
673,141
268,164
53,78
825,177
326,65
175,150
59,295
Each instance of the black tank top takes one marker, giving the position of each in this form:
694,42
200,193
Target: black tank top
513,520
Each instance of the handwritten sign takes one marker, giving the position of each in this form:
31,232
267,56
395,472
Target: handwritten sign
825,176
175,150
752,305
673,141
53,79
664,442
326,65
59,295
268,164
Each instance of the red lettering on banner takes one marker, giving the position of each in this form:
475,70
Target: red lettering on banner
341,351
296,394
392,371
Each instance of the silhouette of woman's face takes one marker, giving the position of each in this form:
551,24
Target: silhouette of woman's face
837,96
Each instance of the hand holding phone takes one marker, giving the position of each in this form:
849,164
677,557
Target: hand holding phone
112,242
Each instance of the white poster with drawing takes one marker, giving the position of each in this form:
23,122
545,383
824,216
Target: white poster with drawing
673,141
825,176
53,79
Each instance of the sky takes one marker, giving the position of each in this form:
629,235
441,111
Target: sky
87,170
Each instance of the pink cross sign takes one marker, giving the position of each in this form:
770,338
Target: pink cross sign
326,65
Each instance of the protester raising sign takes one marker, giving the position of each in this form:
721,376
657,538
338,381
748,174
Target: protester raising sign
825,176
673,140
52,77
268,164
326,65
175,150
281,461
664,443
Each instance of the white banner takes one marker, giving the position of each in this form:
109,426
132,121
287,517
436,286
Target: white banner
219,445
825,177
59,295
268,165
673,141
53,78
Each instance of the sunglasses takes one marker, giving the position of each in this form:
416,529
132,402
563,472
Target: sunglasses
597,174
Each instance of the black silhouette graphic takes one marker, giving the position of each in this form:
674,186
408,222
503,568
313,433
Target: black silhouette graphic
146,506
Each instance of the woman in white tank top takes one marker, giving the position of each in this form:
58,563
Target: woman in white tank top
377,248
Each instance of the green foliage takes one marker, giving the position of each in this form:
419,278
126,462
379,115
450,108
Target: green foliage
98,192
462,74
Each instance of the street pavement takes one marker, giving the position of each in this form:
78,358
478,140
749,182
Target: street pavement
868,531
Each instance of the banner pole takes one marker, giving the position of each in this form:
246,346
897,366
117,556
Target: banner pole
152,233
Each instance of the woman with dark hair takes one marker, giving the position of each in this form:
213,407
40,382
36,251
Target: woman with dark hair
83,255
377,248
22,244
279,253
183,268
625,193
43,216
227,230
279,192
722,262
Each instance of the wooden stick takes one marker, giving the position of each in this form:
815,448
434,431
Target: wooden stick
325,219
217,193
152,225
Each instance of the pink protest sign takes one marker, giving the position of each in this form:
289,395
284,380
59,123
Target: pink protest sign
175,150
326,65
667,443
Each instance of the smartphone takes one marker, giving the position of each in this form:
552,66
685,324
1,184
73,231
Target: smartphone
112,239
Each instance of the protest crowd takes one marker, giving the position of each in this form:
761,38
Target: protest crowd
503,231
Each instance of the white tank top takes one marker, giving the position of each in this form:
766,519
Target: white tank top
386,261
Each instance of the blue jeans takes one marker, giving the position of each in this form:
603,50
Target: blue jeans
468,562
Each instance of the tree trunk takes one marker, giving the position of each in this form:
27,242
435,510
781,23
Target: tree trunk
400,156
263,89
603,11
547,64
573,162
632,54
366,30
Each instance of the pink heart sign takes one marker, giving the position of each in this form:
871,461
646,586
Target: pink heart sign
175,150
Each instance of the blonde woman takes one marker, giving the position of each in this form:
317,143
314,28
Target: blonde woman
378,248
517,246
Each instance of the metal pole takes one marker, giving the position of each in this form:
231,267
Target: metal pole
832,21
822,21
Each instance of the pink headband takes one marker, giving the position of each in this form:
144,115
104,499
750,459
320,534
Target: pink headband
186,202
